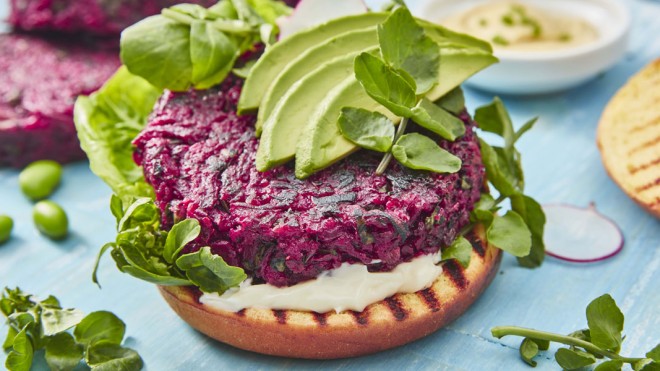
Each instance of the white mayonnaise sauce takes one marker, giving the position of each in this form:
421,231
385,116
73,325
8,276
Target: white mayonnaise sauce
349,287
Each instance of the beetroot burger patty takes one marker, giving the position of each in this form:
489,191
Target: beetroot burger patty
199,156
39,83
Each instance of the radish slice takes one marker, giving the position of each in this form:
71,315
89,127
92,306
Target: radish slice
310,13
580,235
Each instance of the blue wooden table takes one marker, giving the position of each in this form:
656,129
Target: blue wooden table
562,164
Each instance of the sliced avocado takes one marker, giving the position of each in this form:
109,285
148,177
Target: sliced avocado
283,127
341,45
282,53
321,144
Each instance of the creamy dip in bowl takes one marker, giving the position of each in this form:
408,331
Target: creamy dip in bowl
543,46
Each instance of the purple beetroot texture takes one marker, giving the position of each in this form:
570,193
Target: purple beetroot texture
101,17
199,156
39,83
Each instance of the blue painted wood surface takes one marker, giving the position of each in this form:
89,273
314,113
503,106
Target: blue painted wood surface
562,165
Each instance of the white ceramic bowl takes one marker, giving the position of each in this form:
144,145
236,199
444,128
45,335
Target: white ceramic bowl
535,72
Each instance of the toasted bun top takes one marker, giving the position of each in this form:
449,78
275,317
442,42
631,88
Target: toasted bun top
629,138
394,321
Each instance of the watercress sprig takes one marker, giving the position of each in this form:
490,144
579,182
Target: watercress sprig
188,45
398,79
36,325
520,230
602,339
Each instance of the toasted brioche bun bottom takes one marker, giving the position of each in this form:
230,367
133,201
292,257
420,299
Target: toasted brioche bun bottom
388,323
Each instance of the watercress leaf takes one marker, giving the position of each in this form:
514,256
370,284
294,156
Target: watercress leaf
212,54
54,321
21,320
525,128
50,302
20,357
106,247
107,122
437,120
110,357
583,334
605,323
63,353
210,272
510,167
385,85
494,118
101,326
367,129
654,353
9,339
651,366
496,173
573,359
157,279
181,234
419,55
144,52
528,350
542,344
611,365
270,10
453,102
460,249
419,152
223,9
534,217
510,233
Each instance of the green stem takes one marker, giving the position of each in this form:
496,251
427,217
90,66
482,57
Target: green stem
501,331
178,17
388,156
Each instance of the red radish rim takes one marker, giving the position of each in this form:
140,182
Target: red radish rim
592,207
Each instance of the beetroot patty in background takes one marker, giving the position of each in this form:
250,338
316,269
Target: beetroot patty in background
40,81
199,156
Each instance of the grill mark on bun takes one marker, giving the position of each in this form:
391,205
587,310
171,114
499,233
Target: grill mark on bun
648,186
456,273
280,315
361,318
646,125
320,318
644,145
398,311
428,296
635,169
477,244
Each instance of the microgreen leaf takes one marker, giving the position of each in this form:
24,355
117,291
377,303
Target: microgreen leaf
534,218
210,272
419,152
54,321
484,210
181,234
419,55
573,359
605,323
385,85
496,170
510,233
9,339
460,249
101,326
611,365
436,119
370,130
453,102
109,357
525,128
528,350
20,357
62,352
212,54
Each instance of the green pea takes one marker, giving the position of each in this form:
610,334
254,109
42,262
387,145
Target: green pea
39,179
50,219
6,225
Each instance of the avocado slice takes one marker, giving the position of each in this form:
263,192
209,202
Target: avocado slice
283,127
341,45
282,53
321,144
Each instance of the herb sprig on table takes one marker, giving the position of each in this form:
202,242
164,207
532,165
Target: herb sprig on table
602,339
36,325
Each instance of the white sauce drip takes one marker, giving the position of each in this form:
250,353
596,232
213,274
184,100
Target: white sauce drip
349,287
